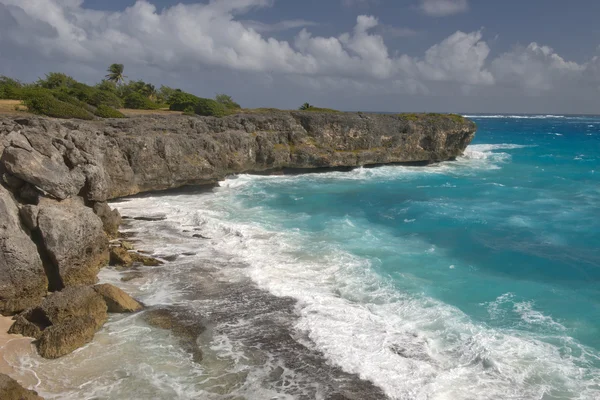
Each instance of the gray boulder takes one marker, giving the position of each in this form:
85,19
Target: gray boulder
74,239
23,282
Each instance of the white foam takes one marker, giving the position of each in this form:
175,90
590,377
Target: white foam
500,116
412,346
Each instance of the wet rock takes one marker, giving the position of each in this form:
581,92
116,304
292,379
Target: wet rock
117,300
11,390
146,261
59,340
183,324
23,282
126,245
120,257
149,218
111,219
74,239
129,276
65,320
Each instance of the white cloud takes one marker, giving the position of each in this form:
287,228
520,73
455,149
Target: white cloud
442,8
210,35
535,67
184,42
261,27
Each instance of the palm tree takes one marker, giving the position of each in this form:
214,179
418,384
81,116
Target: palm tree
305,107
116,73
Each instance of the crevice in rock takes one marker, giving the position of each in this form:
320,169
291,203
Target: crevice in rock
55,282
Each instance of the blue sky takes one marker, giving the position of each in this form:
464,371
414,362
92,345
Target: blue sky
534,56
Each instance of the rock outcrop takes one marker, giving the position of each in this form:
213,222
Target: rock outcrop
56,177
23,282
114,158
11,390
117,300
65,320
74,239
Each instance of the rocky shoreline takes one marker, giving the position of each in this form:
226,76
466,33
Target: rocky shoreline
57,177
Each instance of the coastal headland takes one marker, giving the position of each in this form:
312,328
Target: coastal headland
57,229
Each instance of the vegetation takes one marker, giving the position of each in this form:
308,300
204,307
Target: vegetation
227,101
10,88
43,102
180,101
104,111
138,101
212,108
308,107
115,74
421,116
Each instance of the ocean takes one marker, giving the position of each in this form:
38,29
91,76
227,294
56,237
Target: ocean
472,279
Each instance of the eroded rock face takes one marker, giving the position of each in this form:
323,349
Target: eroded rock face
111,219
114,158
117,300
23,282
65,321
73,236
11,390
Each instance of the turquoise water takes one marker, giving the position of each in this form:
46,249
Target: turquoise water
473,279
493,259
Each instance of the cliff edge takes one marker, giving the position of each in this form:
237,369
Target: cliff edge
56,176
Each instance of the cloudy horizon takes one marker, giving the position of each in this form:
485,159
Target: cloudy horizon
353,55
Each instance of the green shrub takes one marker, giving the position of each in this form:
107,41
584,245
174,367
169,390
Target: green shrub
55,80
321,110
105,111
10,88
42,101
211,108
106,98
227,101
189,111
138,101
179,101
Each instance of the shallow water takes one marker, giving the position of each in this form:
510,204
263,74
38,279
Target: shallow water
474,279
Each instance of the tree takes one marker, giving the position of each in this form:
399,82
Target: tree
305,107
116,73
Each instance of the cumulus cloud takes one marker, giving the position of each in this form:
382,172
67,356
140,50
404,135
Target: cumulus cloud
214,38
536,67
442,8
212,35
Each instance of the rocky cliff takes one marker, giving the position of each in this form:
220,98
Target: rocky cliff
57,175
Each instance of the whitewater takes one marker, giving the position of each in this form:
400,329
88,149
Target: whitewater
471,279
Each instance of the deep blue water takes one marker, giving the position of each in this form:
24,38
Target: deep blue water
473,279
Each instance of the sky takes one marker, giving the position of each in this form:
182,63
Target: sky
467,56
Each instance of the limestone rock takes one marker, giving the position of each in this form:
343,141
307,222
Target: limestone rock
29,214
117,300
74,239
23,282
120,257
60,340
111,219
11,390
48,173
65,321
115,158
